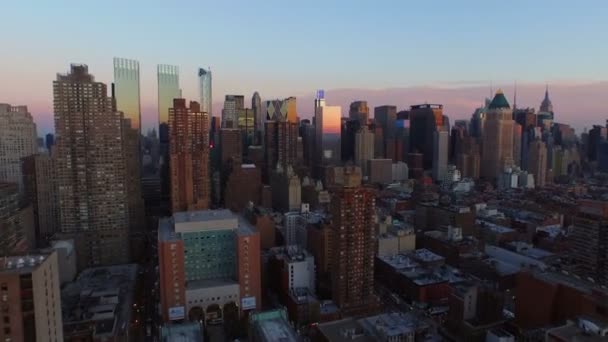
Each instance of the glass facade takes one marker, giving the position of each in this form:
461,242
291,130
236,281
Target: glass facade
168,89
126,90
210,254
204,85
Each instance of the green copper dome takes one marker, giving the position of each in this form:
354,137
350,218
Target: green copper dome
499,101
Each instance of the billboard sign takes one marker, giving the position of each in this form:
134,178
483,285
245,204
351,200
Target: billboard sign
248,303
176,313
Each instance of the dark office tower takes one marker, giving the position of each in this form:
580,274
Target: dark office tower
456,140
526,117
307,131
402,137
498,138
359,111
589,239
350,127
189,156
596,135
41,192
231,156
256,105
49,142
415,164
403,115
478,120
353,245
517,138
378,139
280,135
425,120
91,185
16,221
232,105
385,116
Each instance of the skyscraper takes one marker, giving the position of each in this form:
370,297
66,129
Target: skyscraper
204,88
425,120
16,221
232,105
256,105
546,106
364,148
327,125
126,91
280,135
168,89
126,99
440,155
41,191
589,240
497,147
386,116
91,181
537,164
31,298
353,245
349,127
17,140
359,111
189,156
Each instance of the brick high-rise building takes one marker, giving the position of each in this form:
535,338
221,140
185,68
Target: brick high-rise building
589,240
280,135
17,140
41,191
353,246
244,185
90,166
30,288
189,156
16,221
497,145
209,261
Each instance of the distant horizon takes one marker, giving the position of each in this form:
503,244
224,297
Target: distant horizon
459,101
343,47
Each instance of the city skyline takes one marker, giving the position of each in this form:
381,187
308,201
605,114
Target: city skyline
455,50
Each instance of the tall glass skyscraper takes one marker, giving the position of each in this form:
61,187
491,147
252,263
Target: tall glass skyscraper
126,90
204,86
168,89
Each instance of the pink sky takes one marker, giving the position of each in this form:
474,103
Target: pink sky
580,104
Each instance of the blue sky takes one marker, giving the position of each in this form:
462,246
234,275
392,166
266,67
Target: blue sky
290,47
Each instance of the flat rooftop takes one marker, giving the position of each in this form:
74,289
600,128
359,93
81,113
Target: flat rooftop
22,264
426,255
202,215
276,329
103,296
170,228
390,325
184,332
344,330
